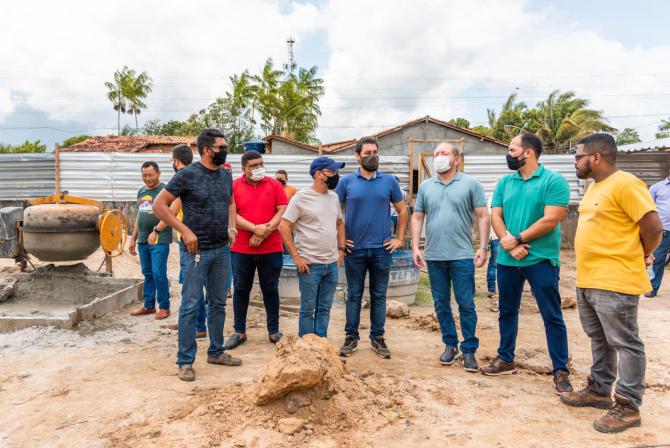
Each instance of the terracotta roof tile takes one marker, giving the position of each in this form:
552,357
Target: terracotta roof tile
131,143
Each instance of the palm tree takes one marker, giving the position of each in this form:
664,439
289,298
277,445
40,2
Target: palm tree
663,129
137,89
267,97
116,94
511,120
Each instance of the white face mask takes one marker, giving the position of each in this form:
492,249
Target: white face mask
442,164
258,174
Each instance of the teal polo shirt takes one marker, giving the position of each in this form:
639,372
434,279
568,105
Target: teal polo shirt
449,210
523,202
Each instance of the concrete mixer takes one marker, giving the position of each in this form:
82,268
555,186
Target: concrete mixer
61,228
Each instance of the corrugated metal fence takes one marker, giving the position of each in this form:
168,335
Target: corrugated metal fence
25,176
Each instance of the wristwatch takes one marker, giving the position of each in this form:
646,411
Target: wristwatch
233,229
156,229
518,238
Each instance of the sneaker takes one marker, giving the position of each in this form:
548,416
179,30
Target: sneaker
274,338
587,397
470,362
621,416
224,359
499,367
186,373
235,341
162,314
349,347
562,382
449,356
143,311
650,294
379,346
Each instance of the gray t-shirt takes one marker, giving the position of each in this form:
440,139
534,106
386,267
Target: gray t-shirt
449,211
314,216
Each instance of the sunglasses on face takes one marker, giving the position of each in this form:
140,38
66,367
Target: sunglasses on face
219,148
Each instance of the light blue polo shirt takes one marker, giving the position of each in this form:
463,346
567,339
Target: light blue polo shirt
449,210
367,215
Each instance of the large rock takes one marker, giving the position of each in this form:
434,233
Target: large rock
299,364
397,310
7,288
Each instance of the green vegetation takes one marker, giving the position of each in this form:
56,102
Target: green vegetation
25,147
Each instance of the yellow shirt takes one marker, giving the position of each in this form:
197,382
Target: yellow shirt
607,245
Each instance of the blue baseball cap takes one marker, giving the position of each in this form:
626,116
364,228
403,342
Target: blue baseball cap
324,163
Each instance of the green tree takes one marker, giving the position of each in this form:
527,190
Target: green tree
627,136
116,93
664,129
135,90
72,140
25,147
462,122
511,120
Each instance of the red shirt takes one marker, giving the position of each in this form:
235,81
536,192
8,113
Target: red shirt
257,203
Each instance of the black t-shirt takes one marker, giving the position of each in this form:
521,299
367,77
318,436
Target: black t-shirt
205,197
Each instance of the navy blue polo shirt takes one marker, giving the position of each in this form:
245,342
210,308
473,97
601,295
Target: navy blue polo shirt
367,215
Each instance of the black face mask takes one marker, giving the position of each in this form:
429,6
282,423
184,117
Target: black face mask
331,182
370,163
174,167
219,158
282,181
514,163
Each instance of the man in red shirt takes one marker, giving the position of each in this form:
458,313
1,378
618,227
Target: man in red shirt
261,202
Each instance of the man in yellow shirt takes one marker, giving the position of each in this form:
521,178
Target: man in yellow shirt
282,177
617,233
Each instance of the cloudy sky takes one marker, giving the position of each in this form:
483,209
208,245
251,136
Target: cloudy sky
384,63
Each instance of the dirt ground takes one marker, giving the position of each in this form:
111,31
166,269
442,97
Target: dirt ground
112,383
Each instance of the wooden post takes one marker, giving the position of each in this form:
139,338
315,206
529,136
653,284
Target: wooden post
411,171
320,149
57,170
462,167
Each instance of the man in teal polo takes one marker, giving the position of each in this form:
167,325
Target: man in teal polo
526,210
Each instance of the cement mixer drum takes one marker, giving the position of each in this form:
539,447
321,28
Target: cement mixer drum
61,232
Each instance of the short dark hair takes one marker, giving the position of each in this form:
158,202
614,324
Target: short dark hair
249,156
532,141
282,172
183,153
602,143
150,163
207,137
365,141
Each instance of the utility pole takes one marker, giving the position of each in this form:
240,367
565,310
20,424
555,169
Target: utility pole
290,65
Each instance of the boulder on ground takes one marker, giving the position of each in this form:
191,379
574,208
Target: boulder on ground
397,310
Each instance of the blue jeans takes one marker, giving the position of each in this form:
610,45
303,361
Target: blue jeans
211,272
269,269
153,260
378,263
317,288
460,274
491,269
659,263
543,279
203,311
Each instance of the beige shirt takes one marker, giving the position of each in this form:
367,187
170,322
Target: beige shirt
314,216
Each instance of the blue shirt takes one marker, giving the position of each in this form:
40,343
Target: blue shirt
449,210
367,217
660,193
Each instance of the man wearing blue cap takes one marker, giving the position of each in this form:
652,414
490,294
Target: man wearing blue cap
314,216
366,195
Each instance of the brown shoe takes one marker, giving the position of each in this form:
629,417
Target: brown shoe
225,360
587,397
162,314
499,367
186,373
562,382
200,334
621,416
172,327
143,311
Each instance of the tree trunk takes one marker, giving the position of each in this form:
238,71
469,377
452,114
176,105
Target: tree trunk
137,129
118,121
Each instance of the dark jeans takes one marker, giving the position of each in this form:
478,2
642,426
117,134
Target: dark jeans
378,263
543,279
460,274
610,321
659,263
269,269
153,261
212,272
491,268
317,288
203,310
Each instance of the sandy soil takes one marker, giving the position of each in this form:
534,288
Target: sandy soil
112,382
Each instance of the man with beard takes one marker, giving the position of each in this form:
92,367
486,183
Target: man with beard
617,233
365,195
527,209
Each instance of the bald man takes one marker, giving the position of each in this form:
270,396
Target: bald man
448,202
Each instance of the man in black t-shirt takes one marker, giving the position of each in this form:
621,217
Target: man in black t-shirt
207,230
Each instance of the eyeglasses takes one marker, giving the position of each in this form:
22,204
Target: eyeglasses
220,148
579,157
